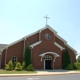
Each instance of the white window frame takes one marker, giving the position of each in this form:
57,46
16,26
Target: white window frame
47,36
15,59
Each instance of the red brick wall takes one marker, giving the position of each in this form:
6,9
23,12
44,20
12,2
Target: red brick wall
32,39
46,46
17,50
59,41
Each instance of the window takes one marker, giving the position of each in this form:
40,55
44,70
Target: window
47,57
14,59
47,36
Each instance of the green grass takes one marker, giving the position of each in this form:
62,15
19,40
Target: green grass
17,72
77,70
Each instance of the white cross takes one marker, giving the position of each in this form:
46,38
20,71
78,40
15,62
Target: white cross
46,18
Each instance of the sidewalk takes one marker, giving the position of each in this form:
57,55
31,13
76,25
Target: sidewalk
42,73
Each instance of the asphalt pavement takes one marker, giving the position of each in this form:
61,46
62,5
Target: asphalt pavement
54,77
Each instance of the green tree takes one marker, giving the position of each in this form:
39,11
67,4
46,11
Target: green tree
65,59
27,56
78,59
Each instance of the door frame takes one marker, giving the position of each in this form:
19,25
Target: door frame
44,63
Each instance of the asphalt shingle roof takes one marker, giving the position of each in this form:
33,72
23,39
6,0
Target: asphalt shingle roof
2,45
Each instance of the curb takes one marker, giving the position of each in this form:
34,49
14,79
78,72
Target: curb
23,75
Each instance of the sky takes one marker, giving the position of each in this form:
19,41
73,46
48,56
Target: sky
19,18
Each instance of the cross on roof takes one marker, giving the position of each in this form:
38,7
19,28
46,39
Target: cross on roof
46,18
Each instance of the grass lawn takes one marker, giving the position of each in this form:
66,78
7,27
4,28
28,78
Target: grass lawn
17,72
77,70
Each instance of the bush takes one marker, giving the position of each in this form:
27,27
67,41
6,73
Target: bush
30,68
18,66
23,65
77,64
14,65
74,66
69,67
9,66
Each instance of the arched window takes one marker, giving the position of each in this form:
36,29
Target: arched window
47,57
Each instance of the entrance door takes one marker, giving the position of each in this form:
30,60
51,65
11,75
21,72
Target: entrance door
47,64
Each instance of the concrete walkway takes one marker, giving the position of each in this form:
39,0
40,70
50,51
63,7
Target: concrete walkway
42,73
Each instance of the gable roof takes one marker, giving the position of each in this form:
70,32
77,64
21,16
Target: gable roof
46,27
2,45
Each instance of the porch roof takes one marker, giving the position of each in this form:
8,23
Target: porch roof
53,53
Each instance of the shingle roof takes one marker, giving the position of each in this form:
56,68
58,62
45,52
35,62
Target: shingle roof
2,45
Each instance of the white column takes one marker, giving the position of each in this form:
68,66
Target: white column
24,46
44,64
1,57
6,55
39,35
31,54
53,64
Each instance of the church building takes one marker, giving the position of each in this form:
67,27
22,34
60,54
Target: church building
46,49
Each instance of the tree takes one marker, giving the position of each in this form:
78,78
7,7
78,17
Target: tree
78,59
65,59
27,56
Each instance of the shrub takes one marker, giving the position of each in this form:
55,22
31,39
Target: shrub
74,66
23,65
18,66
69,67
9,66
77,64
30,68
14,65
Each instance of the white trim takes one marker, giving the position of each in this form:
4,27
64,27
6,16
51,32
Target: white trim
55,43
21,39
24,46
47,26
61,38
39,35
53,63
34,44
53,53
0,58
75,52
48,57
1,61
14,56
5,56
31,54
44,65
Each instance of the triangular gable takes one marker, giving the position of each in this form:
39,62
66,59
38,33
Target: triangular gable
46,27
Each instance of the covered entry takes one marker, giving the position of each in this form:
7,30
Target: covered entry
48,61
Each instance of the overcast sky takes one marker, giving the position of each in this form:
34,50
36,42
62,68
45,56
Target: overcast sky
19,18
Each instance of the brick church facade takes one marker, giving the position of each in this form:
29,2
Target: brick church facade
46,49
